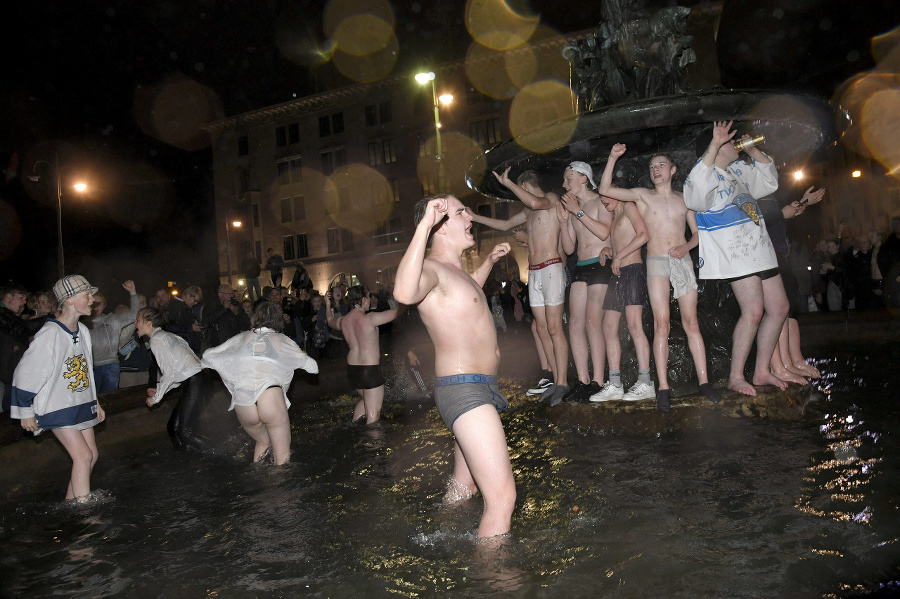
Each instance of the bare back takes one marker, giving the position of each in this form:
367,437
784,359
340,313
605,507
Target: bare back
665,216
361,335
589,245
457,317
543,233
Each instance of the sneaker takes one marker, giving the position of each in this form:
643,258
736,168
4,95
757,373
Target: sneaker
540,388
607,392
640,390
581,392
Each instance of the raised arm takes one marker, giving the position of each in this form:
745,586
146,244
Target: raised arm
334,323
380,318
606,187
482,272
496,223
529,199
414,280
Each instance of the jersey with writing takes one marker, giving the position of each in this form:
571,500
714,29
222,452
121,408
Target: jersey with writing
54,381
731,244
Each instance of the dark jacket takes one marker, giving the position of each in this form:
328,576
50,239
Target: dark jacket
222,324
15,335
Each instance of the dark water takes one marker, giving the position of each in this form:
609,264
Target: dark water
739,508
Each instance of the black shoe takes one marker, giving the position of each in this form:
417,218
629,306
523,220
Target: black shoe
573,390
711,394
583,393
663,400
557,396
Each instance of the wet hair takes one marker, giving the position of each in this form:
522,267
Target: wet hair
419,212
531,177
268,315
356,294
195,292
156,318
665,155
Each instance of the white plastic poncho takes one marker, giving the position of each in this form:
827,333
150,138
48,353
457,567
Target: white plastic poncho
253,361
176,361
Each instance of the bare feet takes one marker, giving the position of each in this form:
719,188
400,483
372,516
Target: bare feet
769,379
788,376
456,491
742,386
808,370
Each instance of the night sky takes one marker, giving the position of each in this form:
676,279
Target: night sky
78,77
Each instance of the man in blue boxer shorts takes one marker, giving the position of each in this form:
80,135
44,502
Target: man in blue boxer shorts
455,312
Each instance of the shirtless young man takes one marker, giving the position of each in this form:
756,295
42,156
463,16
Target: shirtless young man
735,246
456,314
627,293
584,220
546,271
360,329
668,261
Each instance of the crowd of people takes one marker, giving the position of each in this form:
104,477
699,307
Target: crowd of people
631,247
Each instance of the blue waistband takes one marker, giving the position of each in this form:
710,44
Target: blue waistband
459,379
588,261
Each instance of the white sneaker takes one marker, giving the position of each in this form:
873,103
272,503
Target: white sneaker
540,388
607,392
639,391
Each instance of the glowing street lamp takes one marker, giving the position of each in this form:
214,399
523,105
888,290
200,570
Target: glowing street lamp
80,187
798,174
228,225
856,174
445,99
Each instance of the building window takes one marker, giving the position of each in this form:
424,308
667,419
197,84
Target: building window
483,210
371,115
302,246
289,253
334,241
374,153
333,159
389,155
486,132
395,186
294,133
243,145
299,208
426,146
245,248
385,112
244,180
331,124
281,137
347,239
257,248
254,214
389,232
290,170
286,213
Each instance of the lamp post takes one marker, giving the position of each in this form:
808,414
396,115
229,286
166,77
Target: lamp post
236,224
445,99
79,187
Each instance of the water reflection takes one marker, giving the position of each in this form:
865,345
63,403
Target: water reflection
739,508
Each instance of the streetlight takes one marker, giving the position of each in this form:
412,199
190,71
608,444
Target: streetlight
445,99
79,187
236,224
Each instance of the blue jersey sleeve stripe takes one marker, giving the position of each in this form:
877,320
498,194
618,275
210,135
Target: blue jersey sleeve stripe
68,416
22,398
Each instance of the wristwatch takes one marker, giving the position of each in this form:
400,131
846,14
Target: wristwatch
579,214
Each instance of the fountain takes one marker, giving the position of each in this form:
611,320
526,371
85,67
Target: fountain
631,77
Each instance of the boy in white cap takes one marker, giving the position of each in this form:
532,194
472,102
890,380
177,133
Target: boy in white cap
584,223
53,386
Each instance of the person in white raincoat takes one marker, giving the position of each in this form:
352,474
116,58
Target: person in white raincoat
257,367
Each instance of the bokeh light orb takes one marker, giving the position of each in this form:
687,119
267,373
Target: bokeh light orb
176,110
361,35
371,67
852,97
339,10
487,71
492,23
459,152
541,116
782,141
881,128
358,198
